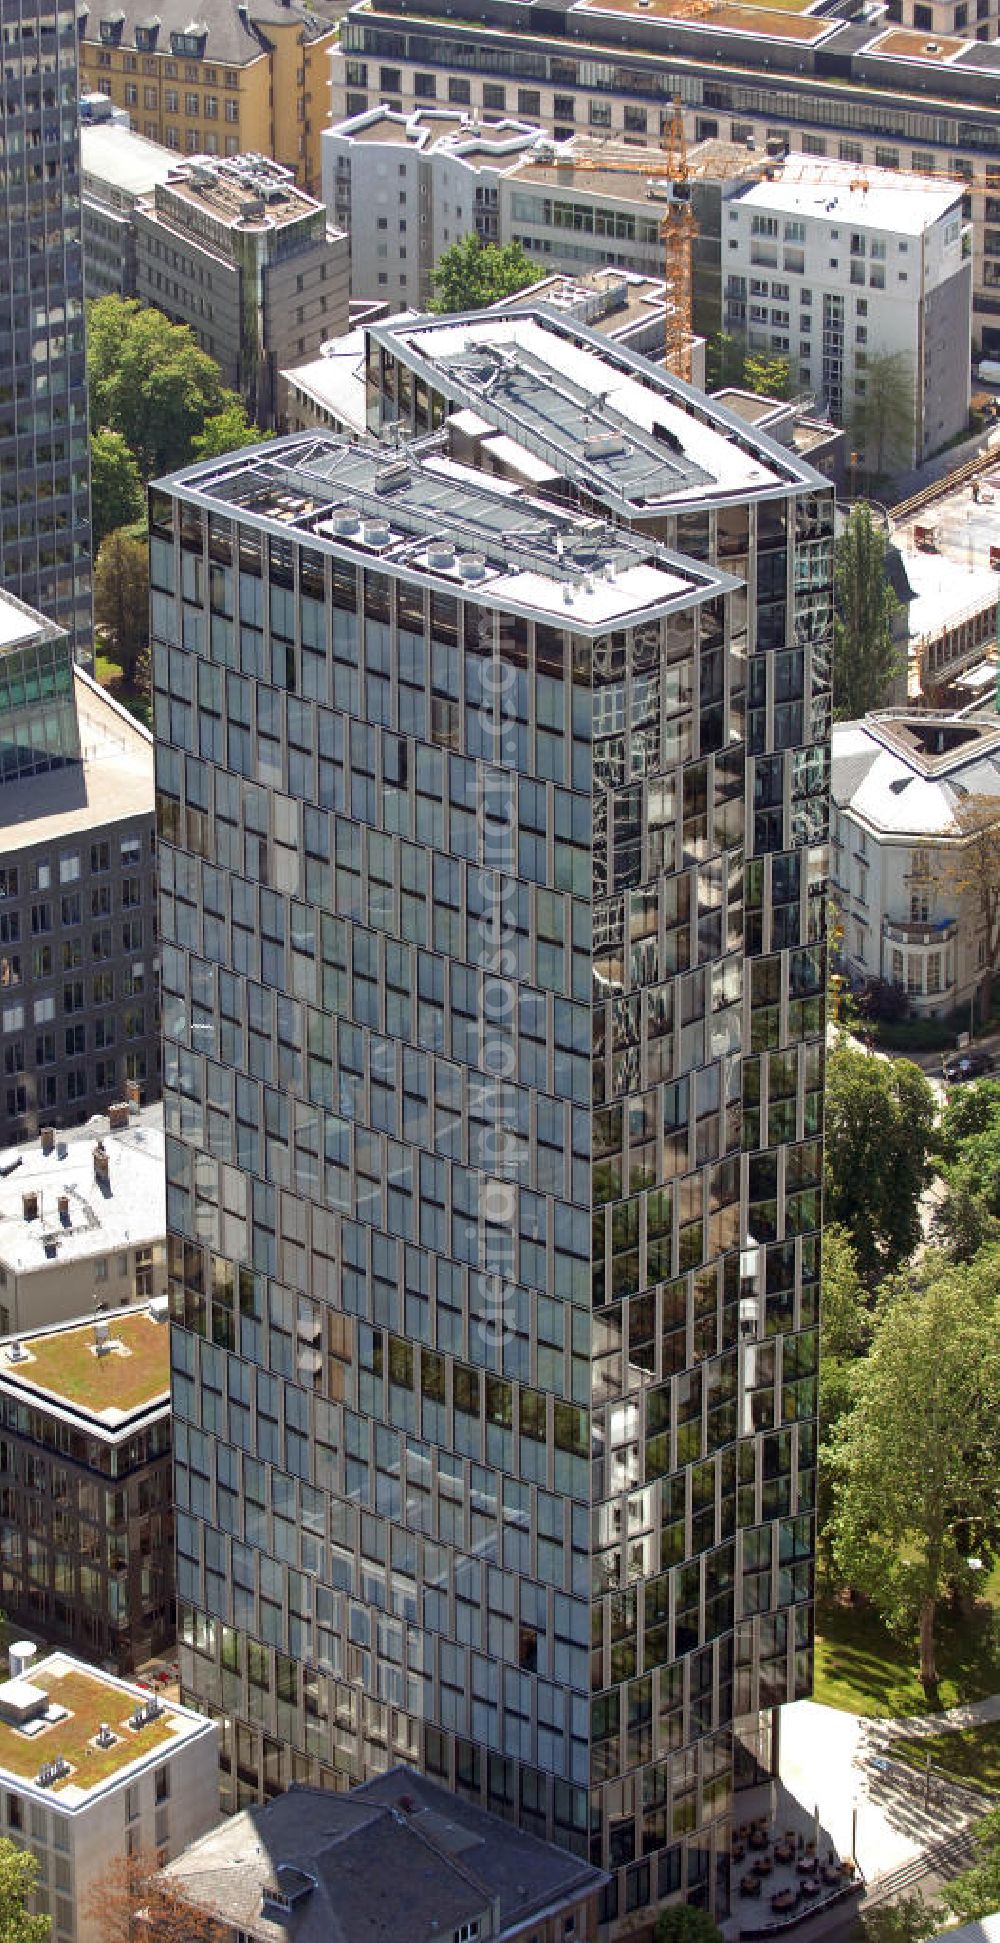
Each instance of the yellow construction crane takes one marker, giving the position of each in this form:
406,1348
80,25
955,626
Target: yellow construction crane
678,227
678,231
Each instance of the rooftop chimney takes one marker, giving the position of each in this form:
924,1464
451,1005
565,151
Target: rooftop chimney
118,1116
30,1206
48,1139
102,1163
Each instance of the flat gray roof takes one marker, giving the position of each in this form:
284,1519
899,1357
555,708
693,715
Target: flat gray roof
627,431
113,783
116,157
132,1214
20,624
417,513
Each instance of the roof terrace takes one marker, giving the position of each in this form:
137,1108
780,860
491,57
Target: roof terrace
789,23
51,1723
108,1369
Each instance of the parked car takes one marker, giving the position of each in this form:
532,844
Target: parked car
968,1064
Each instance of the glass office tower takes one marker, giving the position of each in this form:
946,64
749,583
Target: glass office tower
44,459
492,907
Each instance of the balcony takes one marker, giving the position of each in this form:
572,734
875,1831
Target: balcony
902,932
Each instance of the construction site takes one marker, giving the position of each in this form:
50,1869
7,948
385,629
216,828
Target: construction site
947,538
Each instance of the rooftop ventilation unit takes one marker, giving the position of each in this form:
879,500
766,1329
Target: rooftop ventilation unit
147,1710
472,566
392,476
604,445
21,1651
376,532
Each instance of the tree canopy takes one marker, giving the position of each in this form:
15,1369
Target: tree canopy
470,274
907,1920
682,1923
917,1455
864,654
845,1337
725,357
976,1892
729,361
18,1875
116,494
879,1121
121,598
132,1899
767,373
150,381
973,873
226,431
883,422
967,1145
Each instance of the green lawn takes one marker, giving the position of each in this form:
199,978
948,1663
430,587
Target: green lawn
862,1668
968,1754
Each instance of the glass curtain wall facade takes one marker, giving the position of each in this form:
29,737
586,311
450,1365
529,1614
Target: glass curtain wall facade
39,727
44,458
493,972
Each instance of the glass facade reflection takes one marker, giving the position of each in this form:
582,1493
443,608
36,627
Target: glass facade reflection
39,728
493,973
44,457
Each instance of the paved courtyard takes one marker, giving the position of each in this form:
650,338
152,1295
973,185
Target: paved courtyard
837,1763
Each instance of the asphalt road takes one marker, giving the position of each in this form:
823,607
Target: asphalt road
930,1062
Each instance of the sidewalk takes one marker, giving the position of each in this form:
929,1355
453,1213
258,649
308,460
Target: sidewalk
826,1764
974,1713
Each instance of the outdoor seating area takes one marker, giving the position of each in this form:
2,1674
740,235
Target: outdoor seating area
783,1874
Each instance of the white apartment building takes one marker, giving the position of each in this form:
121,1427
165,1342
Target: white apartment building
408,186
896,779
93,1768
830,265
